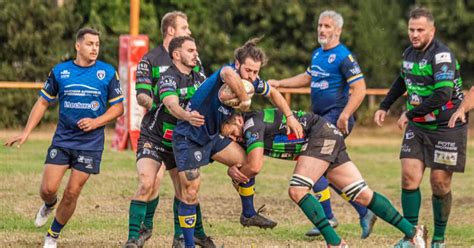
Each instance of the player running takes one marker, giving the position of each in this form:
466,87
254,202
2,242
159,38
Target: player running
322,150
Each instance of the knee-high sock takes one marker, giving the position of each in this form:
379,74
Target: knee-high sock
322,193
136,215
150,212
441,210
247,192
177,229
411,202
313,210
199,229
382,207
187,221
361,210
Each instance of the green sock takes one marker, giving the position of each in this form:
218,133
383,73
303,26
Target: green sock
382,207
199,228
441,210
177,228
150,212
411,202
315,213
136,214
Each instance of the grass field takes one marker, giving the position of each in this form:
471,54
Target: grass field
101,217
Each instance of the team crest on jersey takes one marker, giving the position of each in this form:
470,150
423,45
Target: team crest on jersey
100,74
198,155
53,153
331,58
423,63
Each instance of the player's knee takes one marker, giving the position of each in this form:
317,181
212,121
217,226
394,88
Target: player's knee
70,195
299,187
190,195
254,170
364,197
410,181
47,192
146,187
440,187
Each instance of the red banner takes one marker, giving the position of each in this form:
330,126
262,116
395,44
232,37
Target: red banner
127,127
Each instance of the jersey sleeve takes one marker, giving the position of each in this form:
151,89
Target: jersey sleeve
261,87
143,78
50,88
114,91
308,70
254,130
444,68
351,69
167,85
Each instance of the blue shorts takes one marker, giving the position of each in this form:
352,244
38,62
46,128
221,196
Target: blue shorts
85,161
190,155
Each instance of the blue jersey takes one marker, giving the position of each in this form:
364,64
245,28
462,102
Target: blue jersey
332,71
81,92
206,102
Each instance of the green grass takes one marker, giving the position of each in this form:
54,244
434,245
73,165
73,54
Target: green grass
101,218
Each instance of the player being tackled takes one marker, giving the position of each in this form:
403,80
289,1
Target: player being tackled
321,150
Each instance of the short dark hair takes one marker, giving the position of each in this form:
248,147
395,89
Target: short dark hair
83,31
169,19
250,49
177,42
421,12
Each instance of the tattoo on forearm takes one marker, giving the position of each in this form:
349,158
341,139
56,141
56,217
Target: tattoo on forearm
144,101
192,174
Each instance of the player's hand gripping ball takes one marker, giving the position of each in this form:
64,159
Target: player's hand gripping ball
229,98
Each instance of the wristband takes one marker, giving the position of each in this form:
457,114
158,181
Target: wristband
290,115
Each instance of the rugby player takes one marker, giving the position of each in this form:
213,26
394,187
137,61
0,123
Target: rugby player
197,146
150,68
430,75
83,87
332,72
321,150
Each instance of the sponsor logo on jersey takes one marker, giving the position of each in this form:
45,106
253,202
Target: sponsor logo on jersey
444,74
94,105
446,145
320,84
64,74
356,70
248,124
409,134
85,159
198,155
315,55
251,137
317,71
415,99
89,166
100,74
408,82
331,58
443,58
328,146
224,110
163,68
407,65
447,158
53,153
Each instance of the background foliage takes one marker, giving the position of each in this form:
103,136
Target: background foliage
37,34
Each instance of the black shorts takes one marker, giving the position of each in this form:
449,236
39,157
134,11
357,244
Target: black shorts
190,155
440,149
157,152
85,161
326,142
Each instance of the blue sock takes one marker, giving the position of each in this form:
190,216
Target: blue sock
247,192
55,229
322,193
187,221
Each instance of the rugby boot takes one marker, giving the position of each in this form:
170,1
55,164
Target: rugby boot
145,234
315,231
132,243
43,214
50,242
438,244
367,224
418,241
205,242
341,245
178,242
257,220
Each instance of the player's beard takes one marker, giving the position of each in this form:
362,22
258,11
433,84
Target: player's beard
190,63
326,40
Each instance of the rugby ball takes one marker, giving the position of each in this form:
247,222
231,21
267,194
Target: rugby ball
229,98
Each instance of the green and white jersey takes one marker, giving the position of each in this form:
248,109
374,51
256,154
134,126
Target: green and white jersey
267,129
425,71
